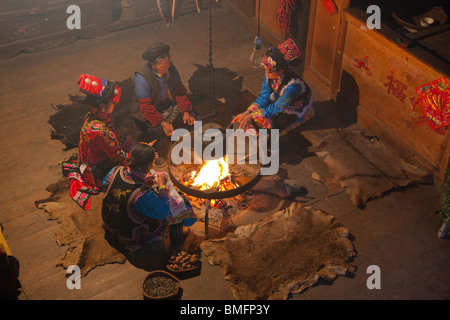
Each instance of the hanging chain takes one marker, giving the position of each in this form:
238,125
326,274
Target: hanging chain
259,13
212,89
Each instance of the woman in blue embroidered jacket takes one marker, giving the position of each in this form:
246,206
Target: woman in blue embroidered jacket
285,101
137,205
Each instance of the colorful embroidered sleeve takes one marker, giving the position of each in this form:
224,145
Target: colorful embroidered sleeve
152,206
149,112
107,179
288,95
183,103
258,117
144,94
124,143
107,141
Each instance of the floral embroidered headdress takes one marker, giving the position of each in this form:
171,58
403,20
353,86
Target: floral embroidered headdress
279,58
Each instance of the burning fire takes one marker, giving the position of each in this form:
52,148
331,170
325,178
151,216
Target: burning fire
214,174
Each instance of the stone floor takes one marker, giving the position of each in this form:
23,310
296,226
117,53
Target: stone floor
397,232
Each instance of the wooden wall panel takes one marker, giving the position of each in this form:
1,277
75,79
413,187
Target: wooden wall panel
324,47
386,84
323,51
247,13
245,7
269,9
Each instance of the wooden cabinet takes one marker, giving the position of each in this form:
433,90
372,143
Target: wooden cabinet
385,76
377,73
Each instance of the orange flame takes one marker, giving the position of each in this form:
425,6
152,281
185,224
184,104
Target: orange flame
211,174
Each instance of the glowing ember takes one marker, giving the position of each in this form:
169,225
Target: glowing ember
214,175
211,174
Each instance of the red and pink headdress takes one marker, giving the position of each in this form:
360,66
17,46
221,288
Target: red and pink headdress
96,87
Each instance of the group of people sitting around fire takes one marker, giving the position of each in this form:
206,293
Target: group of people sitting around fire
140,204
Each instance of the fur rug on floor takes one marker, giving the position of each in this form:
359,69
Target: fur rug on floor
81,231
285,253
363,165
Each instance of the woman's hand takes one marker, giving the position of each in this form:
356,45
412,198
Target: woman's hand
246,122
239,117
244,119
161,179
167,128
187,118
149,179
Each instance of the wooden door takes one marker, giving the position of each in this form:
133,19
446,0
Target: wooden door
323,57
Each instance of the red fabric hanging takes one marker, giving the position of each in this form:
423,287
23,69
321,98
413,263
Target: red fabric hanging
330,6
284,15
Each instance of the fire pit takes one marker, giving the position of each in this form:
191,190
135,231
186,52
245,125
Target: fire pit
213,179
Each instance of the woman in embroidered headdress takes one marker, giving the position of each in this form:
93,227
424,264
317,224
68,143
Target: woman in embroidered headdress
285,101
162,100
101,146
140,203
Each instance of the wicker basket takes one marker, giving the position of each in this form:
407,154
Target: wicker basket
163,274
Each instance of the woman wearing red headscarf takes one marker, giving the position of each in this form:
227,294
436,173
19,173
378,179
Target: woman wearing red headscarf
101,146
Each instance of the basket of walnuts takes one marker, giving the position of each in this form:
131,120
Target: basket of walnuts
184,262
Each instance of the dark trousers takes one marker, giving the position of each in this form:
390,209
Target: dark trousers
163,143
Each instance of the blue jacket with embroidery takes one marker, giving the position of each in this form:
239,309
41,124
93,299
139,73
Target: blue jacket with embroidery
271,104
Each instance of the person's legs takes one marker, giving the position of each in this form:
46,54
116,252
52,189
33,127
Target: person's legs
177,124
145,132
162,143
175,233
150,134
